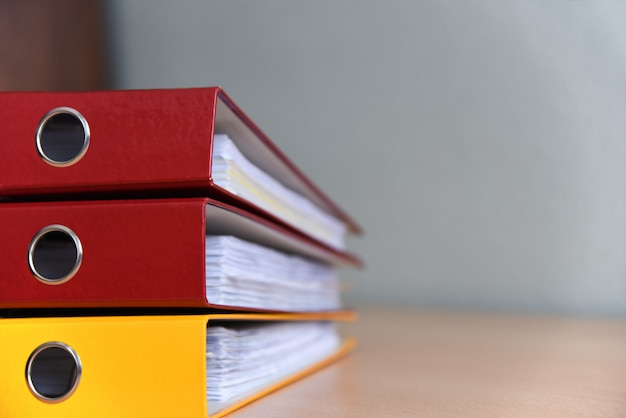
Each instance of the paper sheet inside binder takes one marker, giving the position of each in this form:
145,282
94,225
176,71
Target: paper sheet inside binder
225,222
241,273
259,154
250,264
244,359
233,171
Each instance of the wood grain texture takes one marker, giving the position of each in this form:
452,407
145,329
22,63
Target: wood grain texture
52,45
412,364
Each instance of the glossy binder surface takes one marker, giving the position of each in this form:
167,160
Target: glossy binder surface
135,253
141,366
140,141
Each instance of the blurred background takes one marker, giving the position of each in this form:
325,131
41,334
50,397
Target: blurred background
480,144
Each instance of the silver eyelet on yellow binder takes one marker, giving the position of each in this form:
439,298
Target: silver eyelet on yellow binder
55,254
62,137
53,371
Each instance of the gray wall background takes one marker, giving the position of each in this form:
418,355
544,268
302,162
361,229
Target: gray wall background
481,144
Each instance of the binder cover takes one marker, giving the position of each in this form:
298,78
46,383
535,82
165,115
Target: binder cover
144,141
131,366
127,253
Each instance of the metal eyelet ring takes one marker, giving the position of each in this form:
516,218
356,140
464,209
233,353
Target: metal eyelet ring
55,254
53,372
62,137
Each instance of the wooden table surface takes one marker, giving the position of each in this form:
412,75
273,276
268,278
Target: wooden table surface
414,364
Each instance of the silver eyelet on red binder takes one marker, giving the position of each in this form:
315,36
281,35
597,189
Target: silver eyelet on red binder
62,137
53,372
55,254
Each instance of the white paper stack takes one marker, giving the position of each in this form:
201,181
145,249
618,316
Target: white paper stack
241,359
241,273
232,171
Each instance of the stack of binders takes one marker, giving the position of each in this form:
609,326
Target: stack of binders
160,257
